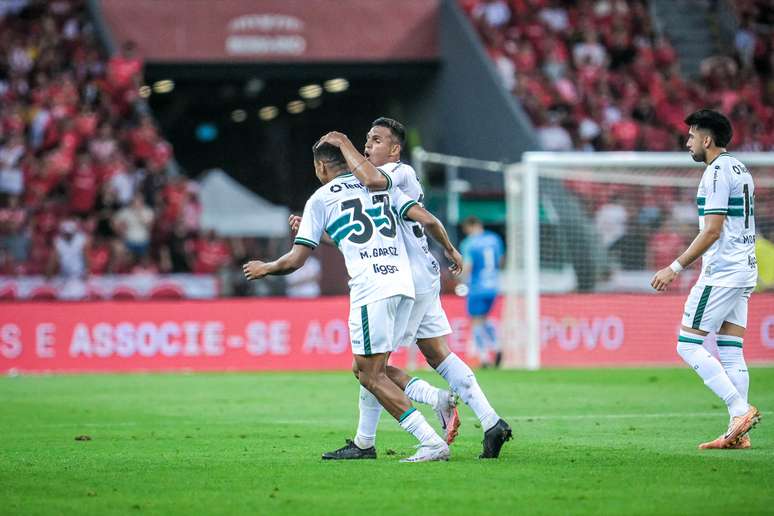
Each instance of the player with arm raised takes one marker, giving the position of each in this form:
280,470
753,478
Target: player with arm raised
428,324
363,226
718,302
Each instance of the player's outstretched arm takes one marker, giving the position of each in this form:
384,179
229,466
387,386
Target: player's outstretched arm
713,225
435,229
368,175
287,263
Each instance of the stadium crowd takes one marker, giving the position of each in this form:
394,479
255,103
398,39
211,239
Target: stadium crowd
89,186
87,183
595,75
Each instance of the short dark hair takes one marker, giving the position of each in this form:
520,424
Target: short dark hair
472,220
716,123
395,127
326,152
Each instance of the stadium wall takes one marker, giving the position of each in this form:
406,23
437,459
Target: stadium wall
470,104
283,334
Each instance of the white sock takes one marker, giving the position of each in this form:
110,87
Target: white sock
370,411
422,392
463,381
689,347
414,423
732,358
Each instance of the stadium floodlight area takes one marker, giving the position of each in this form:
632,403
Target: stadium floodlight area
591,223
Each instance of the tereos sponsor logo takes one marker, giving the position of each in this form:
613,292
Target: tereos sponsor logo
265,34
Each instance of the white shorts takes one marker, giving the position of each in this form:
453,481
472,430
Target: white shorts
707,307
427,319
377,327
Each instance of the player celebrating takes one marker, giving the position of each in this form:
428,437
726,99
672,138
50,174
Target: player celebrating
483,252
363,226
718,302
428,324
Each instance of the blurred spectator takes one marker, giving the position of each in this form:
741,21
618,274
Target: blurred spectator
13,225
118,178
211,253
124,70
745,42
304,282
11,174
666,243
610,221
552,136
98,256
176,251
133,224
494,13
70,256
84,186
589,51
554,15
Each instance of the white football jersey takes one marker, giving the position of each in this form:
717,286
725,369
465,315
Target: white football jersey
424,267
726,188
364,227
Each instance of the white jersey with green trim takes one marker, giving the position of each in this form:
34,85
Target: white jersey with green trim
364,227
424,267
726,188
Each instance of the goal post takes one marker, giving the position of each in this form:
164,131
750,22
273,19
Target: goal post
596,223
584,234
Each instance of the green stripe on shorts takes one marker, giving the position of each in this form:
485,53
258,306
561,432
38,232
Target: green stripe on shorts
701,306
366,333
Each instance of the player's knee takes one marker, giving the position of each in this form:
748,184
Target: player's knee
365,379
435,351
436,359
355,369
686,349
394,374
370,380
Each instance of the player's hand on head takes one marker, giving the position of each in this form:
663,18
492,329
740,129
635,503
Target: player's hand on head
455,258
255,269
335,138
294,221
662,279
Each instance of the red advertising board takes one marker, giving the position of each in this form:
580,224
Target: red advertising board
276,30
284,334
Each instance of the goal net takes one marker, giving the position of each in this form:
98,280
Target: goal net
585,234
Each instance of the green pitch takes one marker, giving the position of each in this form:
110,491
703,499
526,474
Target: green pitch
586,442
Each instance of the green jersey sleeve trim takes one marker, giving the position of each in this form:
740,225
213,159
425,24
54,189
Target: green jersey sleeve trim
406,207
387,176
305,241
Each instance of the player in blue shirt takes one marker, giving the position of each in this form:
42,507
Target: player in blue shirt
483,252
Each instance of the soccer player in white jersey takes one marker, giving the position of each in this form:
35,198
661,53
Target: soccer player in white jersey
428,324
365,229
718,302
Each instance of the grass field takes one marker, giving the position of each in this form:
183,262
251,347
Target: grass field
586,442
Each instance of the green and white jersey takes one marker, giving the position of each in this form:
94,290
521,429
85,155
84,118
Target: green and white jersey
364,227
726,188
424,267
